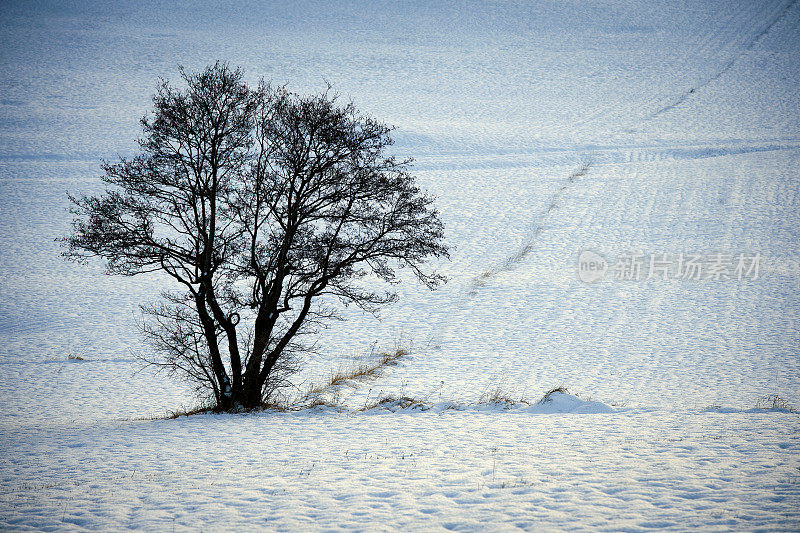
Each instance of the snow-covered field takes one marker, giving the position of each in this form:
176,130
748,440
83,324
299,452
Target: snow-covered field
685,118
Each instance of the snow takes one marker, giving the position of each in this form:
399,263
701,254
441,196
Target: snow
544,130
408,470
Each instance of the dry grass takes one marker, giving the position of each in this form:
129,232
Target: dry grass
326,395
316,403
349,378
172,415
501,398
773,401
201,410
319,396
546,397
394,403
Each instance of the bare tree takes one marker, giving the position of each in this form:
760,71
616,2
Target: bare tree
266,208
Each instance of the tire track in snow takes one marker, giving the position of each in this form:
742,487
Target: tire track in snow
528,246
707,43
621,156
530,241
712,43
729,64
439,331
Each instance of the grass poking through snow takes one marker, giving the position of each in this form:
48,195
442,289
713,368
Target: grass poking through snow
318,395
773,402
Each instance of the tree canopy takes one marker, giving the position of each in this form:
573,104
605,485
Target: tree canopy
265,207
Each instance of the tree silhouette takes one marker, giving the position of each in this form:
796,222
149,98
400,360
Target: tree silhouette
266,208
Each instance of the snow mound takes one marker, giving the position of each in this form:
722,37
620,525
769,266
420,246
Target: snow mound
393,404
563,402
552,403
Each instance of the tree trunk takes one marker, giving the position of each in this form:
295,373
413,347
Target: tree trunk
225,394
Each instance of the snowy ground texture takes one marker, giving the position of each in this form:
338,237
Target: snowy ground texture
544,129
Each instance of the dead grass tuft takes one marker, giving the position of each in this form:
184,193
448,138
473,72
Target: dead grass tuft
546,397
201,410
775,402
501,398
392,403
351,378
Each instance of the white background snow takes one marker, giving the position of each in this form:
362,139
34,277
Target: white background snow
688,117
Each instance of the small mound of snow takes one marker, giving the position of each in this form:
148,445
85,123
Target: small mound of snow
562,402
393,405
